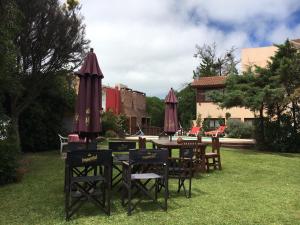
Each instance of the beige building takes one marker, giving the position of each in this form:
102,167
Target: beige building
207,109
261,55
256,56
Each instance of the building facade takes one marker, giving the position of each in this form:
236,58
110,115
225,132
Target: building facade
207,109
261,55
131,103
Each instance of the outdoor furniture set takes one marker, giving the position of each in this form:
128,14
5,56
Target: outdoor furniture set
90,173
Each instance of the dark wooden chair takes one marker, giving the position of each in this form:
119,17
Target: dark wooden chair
181,168
213,158
120,151
142,143
143,175
85,183
77,146
198,154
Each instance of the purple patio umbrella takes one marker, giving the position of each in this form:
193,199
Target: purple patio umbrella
171,119
88,103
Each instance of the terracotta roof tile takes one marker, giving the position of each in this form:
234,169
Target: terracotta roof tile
215,81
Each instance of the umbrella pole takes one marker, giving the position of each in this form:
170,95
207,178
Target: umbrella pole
87,143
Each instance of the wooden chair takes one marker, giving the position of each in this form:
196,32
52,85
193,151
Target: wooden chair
120,151
144,173
142,143
181,168
198,153
213,158
77,146
84,183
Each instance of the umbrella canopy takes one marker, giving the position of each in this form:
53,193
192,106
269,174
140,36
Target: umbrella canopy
171,119
88,104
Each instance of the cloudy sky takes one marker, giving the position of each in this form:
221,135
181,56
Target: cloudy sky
149,45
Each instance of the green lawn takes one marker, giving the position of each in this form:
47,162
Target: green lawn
253,188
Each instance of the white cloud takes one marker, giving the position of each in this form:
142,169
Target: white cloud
149,45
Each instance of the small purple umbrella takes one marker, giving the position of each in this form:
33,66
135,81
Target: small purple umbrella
88,103
171,119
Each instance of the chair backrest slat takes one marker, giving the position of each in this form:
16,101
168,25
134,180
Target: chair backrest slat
77,146
121,146
148,156
89,158
142,143
215,144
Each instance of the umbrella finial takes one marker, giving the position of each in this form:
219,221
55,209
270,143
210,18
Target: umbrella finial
91,50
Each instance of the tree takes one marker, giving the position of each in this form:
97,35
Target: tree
186,106
248,90
273,93
155,108
50,38
48,110
286,69
211,65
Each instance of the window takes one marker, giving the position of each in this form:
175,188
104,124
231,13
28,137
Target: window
234,119
215,122
249,121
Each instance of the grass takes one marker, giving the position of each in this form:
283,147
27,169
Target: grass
253,188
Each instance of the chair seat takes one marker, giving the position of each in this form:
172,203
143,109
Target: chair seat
176,170
118,158
88,179
211,154
93,192
145,176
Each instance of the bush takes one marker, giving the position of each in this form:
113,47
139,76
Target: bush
238,129
109,122
278,137
116,123
111,134
9,153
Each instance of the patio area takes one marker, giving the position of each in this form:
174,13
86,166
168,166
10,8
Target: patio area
253,188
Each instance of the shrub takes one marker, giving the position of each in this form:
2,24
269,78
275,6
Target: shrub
111,134
205,124
238,129
109,122
9,153
278,137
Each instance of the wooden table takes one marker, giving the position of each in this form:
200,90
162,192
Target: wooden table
165,143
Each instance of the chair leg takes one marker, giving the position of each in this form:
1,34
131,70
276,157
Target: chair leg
190,187
156,189
129,202
179,185
215,163
166,194
207,164
219,162
108,200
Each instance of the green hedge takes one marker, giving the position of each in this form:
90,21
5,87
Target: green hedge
9,153
238,129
